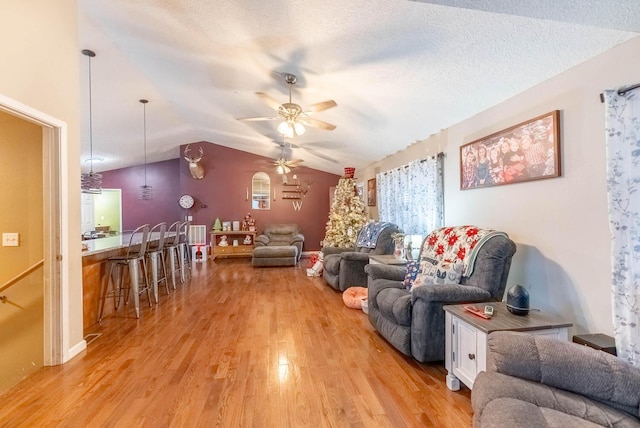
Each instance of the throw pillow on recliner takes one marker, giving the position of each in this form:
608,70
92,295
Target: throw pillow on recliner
441,273
413,268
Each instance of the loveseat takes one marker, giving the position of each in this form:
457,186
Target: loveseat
343,267
535,381
413,321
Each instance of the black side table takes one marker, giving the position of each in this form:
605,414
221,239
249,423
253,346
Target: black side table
597,341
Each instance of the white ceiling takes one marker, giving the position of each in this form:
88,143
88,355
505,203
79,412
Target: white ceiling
399,70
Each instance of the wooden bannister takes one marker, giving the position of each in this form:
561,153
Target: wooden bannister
17,278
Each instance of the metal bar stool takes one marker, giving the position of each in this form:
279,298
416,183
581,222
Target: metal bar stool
155,254
173,252
185,249
134,263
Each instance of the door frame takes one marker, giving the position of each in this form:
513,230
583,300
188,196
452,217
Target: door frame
56,231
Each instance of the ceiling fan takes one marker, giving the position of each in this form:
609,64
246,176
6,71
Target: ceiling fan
294,118
283,164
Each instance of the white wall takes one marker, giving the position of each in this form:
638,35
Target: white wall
40,68
560,225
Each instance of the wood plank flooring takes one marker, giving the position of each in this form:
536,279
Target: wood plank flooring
238,346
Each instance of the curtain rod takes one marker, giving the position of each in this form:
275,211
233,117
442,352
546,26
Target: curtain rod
622,91
438,156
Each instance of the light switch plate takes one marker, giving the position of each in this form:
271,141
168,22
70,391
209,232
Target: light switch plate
10,239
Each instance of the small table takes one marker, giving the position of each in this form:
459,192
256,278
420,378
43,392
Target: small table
598,341
466,337
387,259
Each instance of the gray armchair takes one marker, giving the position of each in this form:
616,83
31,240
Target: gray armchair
537,381
281,235
344,267
413,321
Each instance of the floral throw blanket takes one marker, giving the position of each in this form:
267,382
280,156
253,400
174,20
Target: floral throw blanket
368,236
458,244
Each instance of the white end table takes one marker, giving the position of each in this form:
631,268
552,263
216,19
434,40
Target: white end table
466,337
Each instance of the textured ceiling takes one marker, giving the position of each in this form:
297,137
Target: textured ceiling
399,70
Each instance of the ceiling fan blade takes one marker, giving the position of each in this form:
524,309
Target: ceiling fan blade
320,155
324,105
269,101
316,123
256,119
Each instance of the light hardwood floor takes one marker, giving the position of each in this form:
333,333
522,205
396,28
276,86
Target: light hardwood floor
239,347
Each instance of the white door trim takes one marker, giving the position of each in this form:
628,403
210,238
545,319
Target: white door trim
56,231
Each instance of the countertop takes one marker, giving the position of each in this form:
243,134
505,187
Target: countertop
101,245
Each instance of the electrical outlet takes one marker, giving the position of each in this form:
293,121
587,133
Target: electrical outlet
10,239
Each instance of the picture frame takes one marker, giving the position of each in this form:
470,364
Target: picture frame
360,191
371,192
524,152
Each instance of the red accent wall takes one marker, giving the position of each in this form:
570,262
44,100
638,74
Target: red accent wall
166,191
222,192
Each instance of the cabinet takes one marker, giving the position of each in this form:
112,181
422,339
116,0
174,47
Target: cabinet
239,237
466,337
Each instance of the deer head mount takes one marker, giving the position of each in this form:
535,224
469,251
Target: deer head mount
195,167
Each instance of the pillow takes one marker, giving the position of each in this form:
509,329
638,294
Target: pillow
412,271
442,273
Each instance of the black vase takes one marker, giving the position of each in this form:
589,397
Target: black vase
518,300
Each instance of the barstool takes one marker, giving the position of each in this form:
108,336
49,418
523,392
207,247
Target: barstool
185,249
134,262
173,252
155,254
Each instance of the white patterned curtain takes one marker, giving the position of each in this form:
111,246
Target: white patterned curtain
412,196
623,185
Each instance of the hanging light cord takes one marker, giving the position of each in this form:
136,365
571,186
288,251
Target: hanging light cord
90,122
144,121
90,54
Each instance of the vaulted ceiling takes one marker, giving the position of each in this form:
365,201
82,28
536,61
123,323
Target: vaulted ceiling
399,70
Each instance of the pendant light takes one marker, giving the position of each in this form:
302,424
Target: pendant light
90,182
146,191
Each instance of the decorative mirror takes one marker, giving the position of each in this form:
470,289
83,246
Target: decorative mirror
260,191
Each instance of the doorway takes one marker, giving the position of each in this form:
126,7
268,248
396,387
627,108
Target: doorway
37,287
21,254
101,214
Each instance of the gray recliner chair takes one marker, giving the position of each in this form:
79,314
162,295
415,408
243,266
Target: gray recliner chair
413,321
281,235
344,267
536,381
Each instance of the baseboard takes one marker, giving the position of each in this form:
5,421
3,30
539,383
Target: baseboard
75,350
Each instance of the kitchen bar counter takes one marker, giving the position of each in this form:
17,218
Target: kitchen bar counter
94,271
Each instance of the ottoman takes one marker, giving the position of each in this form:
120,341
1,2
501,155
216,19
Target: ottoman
275,255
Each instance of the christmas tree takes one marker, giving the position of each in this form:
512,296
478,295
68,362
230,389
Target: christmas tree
347,216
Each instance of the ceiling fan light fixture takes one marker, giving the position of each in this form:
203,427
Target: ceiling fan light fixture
299,128
280,170
286,129
290,128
